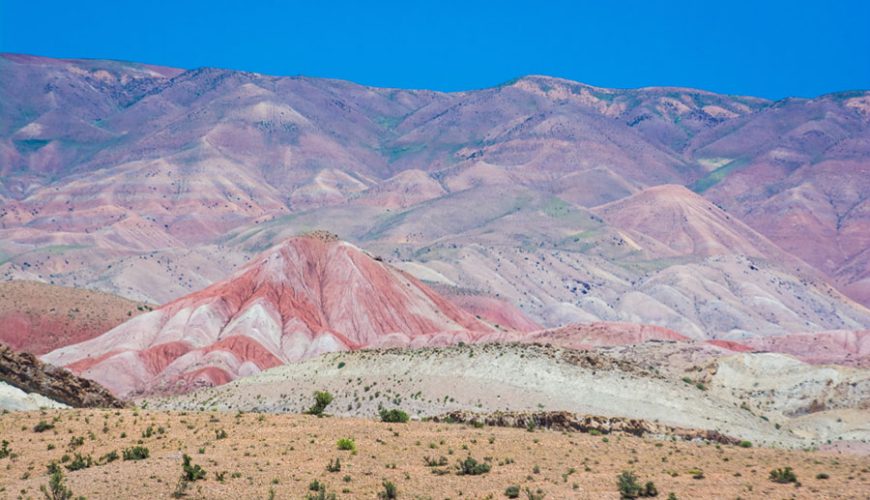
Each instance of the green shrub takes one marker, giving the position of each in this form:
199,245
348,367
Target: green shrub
135,453
108,457
432,462
191,472
56,489
334,466
4,449
394,416
389,492
321,401
471,467
80,462
346,444
783,476
823,475
42,426
629,487
512,491
745,444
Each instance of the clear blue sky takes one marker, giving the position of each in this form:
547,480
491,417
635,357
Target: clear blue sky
766,48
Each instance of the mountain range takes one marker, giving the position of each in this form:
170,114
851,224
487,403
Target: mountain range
543,199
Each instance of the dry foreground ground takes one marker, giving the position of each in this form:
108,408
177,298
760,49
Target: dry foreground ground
278,456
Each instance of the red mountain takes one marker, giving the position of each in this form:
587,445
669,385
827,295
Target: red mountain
308,295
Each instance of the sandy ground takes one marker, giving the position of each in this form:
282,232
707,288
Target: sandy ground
265,454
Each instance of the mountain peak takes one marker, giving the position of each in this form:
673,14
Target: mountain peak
305,296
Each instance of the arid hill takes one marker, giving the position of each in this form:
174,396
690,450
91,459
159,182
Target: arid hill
308,295
38,317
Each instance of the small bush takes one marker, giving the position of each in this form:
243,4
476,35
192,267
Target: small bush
321,401
4,449
334,466
471,467
220,434
629,487
108,457
135,453
512,491
42,426
346,444
433,462
80,462
191,472
389,492
823,475
783,476
745,444
394,416
56,489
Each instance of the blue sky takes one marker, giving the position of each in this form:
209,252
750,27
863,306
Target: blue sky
765,48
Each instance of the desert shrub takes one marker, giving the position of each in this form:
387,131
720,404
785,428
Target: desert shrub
135,453
389,491
783,476
317,491
535,495
108,457
346,444
629,486
56,489
321,401
80,462
334,466
42,426
745,444
823,475
471,467
4,449
191,472
75,442
220,434
512,491
394,416
433,462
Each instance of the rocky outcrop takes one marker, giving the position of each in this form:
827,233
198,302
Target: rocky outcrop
24,371
566,421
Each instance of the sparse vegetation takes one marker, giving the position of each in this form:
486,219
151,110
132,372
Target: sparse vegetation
346,444
471,467
783,476
56,489
42,426
629,486
135,453
322,399
389,491
394,416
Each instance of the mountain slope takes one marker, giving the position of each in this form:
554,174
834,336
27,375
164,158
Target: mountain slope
153,183
309,295
686,223
38,318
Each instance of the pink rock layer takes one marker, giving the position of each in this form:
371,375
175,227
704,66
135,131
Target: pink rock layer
304,297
